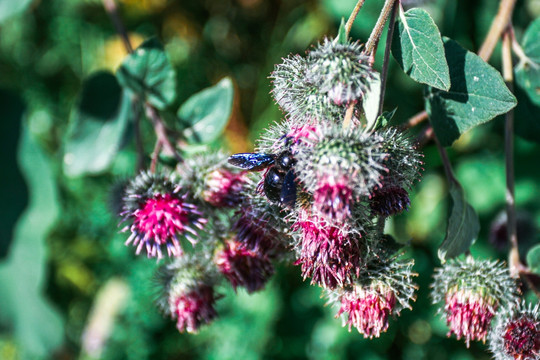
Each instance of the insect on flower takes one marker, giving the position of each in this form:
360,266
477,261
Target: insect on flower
279,180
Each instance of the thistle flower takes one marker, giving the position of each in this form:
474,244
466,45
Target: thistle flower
516,333
333,198
298,96
288,135
244,267
403,162
339,168
382,290
472,291
186,292
211,180
223,188
344,166
159,215
389,200
330,255
341,71
259,225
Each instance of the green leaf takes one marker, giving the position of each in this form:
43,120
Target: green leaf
9,8
463,225
418,49
148,73
99,124
38,327
528,71
533,259
341,37
384,119
370,101
477,95
207,112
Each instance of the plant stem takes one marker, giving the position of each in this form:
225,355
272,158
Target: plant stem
500,22
348,116
137,129
352,17
112,10
373,41
446,163
509,143
416,119
152,114
161,130
384,72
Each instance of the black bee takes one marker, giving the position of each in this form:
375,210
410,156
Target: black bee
279,180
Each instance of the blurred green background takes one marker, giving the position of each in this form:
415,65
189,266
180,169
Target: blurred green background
63,265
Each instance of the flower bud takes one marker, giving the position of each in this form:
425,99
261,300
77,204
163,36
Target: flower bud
244,267
224,188
516,333
341,71
382,290
187,292
330,255
472,291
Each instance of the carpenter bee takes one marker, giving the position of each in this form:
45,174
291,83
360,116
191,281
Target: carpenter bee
279,180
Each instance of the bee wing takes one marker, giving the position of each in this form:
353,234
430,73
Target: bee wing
251,161
288,189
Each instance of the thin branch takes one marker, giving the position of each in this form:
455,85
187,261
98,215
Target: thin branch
386,60
352,17
446,163
161,131
155,155
424,136
137,129
500,22
509,143
416,119
373,41
112,10
348,115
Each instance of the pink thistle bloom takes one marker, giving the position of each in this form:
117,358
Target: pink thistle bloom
223,188
193,309
522,339
159,220
327,253
243,267
367,309
390,200
469,314
305,134
333,198
253,230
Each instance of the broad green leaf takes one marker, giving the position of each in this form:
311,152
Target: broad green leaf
38,327
533,259
463,226
99,124
9,8
341,37
418,48
528,72
148,73
207,112
477,95
370,101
